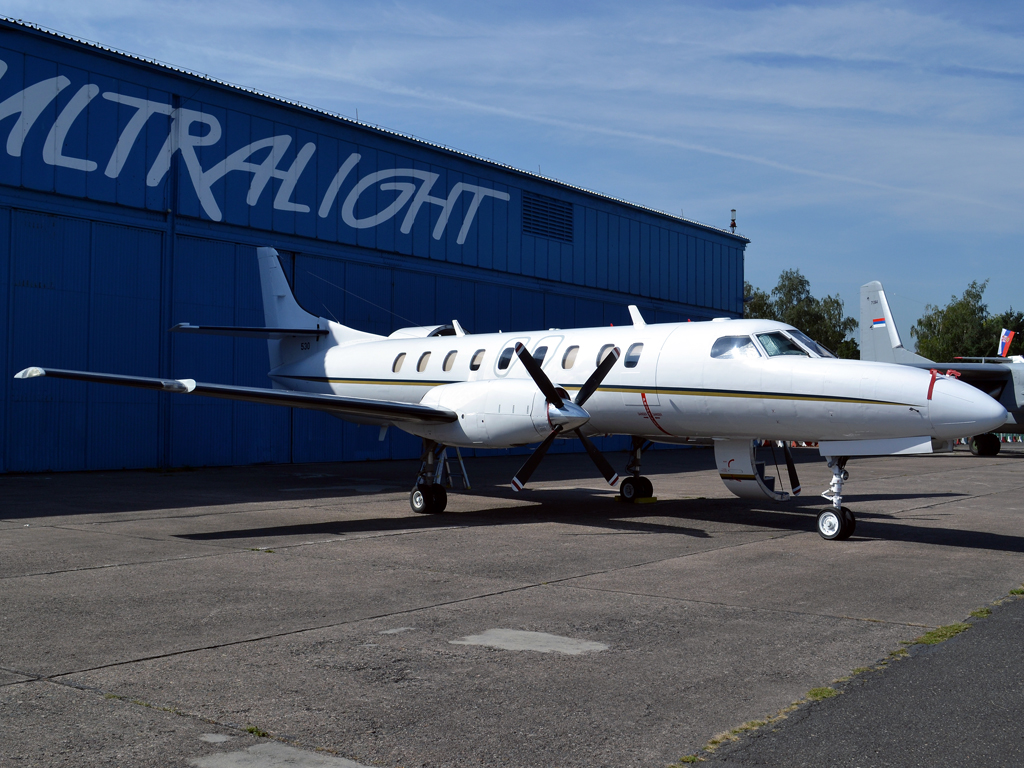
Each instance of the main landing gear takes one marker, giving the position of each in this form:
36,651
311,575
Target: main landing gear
635,486
836,522
428,497
984,445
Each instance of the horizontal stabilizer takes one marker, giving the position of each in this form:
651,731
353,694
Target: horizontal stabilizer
381,411
251,333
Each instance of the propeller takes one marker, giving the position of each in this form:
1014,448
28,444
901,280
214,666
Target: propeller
565,414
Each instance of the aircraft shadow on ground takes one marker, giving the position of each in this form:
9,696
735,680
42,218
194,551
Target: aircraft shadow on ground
677,517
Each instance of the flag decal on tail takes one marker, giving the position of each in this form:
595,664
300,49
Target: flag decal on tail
878,322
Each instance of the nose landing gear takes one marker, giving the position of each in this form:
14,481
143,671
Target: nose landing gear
836,522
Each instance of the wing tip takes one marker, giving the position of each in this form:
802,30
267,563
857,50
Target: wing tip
31,372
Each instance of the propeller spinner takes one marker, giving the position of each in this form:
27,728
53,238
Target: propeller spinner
564,415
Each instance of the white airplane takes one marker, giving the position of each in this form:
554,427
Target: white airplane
729,381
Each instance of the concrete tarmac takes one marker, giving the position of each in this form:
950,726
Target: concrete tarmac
303,615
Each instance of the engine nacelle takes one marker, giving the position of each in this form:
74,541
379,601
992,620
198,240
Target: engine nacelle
497,413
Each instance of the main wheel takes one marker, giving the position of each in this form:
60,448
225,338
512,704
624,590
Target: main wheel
629,489
422,499
849,524
830,524
985,445
440,498
647,487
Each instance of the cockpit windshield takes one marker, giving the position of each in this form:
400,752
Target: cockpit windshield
776,344
811,344
733,347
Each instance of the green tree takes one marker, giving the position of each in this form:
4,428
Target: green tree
791,302
964,328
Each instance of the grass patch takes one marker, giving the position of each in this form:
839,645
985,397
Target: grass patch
941,634
981,613
261,549
819,694
112,696
258,732
899,653
689,759
1017,591
861,670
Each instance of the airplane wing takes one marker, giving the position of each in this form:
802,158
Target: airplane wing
379,411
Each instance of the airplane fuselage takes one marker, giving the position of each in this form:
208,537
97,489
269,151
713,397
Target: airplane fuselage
668,390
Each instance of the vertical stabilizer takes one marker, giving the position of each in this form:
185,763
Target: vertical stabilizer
281,310
879,339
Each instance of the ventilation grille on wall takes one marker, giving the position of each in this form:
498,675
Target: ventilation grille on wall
547,217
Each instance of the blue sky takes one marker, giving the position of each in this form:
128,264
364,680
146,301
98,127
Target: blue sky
857,140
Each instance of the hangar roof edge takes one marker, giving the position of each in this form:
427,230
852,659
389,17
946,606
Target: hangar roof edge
32,27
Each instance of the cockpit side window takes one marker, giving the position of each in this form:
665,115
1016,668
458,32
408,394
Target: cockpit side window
778,344
811,344
733,347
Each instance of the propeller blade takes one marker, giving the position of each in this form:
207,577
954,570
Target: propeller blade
596,378
794,481
598,458
523,475
539,377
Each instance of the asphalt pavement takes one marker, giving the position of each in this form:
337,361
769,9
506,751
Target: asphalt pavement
302,615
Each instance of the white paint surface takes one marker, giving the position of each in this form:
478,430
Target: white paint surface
273,754
518,640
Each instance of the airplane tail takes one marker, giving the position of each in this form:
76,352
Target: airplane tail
281,310
879,338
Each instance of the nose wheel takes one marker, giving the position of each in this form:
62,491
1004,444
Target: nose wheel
836,524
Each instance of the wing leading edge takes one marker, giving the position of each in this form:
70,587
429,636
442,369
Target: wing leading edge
382,411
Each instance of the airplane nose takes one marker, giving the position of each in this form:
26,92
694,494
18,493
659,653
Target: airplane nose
960,410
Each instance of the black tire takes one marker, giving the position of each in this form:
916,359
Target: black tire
629,489
849,525
422,500
647,487
440,498
830,524
985,445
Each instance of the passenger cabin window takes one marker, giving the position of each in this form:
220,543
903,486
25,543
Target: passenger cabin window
478,358
569,357
449,360
732,347
421,366
539,354
605,351
777,344
506,358
811,344
397,365
633,355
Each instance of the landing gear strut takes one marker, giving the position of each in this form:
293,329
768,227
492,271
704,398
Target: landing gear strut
428,497
635,486
836,522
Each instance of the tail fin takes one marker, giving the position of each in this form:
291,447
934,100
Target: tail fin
281,310
879,338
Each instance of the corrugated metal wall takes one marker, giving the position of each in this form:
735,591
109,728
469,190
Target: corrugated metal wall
110,232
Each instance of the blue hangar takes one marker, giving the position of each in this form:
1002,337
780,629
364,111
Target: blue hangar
133,196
